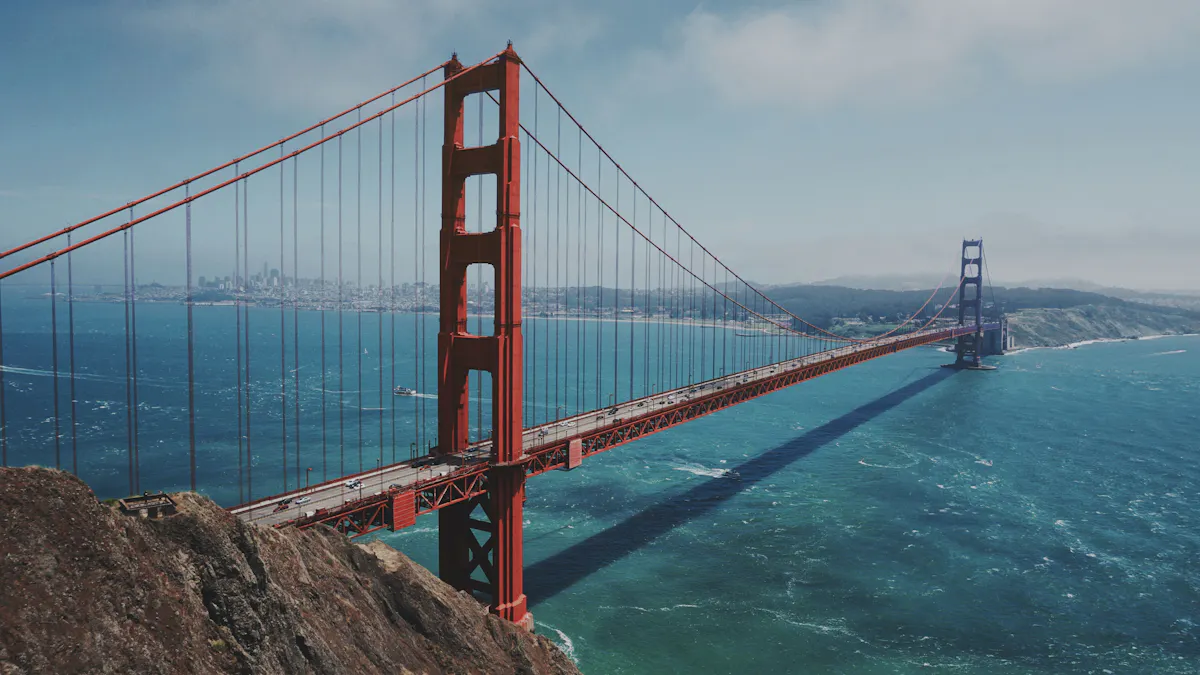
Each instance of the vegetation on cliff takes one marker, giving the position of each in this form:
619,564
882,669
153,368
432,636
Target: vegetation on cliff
84,588
1050,327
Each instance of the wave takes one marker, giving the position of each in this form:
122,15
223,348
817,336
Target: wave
888,466
702,471
65,374
564,643
1173,351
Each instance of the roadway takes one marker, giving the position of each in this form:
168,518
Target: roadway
333,495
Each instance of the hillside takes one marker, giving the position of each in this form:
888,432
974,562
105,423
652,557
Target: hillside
1052,327
84,588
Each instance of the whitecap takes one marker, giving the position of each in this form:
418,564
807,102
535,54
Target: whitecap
702,471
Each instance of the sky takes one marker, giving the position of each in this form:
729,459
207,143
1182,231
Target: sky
799,140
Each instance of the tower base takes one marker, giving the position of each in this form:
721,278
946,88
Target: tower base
967,366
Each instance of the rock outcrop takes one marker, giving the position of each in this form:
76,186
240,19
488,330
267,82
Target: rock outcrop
84,588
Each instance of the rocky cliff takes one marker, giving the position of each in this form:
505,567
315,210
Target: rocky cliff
84,588
1056,327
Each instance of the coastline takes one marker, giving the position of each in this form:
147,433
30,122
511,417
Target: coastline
1096,341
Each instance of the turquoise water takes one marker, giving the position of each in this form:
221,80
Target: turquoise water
892,518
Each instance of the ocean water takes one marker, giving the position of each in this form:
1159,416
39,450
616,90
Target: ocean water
892,518
895,517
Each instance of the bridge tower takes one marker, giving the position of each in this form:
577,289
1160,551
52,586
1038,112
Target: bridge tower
970,347
495,516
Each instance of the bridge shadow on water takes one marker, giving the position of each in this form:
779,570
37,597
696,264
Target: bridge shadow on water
560,571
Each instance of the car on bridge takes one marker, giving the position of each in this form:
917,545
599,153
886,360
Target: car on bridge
353,483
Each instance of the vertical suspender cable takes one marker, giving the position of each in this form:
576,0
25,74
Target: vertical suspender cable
533,348
191,345
323,300
282,341
581,277
599,282
616,306
550,296
359,292
632,291
137,451
660,327
246,328
558,267
677,329
128,361
54,362
646,310
418,360
236,283
424,258
295,311
379,290
392,281
71,355
341,320
527,228
703,330
692,311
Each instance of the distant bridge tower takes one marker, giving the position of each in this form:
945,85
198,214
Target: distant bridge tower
492,567
971,346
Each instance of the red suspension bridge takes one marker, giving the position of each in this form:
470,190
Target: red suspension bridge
608,322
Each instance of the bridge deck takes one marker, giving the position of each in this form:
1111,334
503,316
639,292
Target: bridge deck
444,480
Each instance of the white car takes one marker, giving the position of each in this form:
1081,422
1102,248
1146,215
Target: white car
303,500
353,483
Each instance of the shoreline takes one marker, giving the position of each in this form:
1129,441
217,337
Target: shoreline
1096,341
756,327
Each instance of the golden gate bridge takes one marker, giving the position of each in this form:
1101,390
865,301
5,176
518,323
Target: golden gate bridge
608,321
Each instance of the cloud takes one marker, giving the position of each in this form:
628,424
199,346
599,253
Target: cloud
311,54
321,55
863,50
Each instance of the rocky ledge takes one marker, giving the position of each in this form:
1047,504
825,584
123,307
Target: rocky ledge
84,588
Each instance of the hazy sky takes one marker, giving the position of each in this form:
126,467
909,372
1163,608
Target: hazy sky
800,140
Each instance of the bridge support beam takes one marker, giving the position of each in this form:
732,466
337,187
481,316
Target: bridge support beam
498,516
971,347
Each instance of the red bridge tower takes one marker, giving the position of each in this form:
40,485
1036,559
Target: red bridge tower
498,557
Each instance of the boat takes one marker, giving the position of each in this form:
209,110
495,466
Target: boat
753,334
404,391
